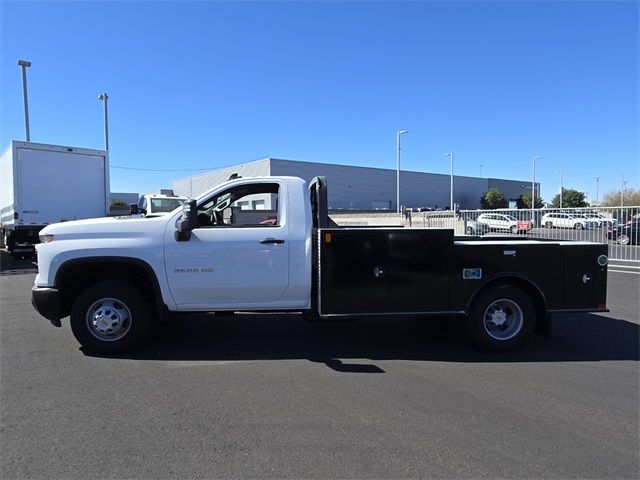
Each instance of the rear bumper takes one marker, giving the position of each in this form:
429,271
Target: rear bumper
46,301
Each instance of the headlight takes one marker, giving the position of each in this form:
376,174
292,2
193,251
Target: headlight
46,238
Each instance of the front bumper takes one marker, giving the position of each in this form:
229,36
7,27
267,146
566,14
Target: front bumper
46,301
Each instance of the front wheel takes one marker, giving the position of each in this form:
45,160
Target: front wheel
548,225
110,316
514,229
501,318
578,226
470,231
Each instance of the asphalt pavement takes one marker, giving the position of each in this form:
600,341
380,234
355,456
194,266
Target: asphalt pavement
255,396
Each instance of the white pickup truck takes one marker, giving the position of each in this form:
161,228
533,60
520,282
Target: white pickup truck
266,244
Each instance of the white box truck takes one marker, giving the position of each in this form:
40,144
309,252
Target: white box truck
42,184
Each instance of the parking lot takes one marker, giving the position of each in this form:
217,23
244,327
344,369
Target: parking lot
274,396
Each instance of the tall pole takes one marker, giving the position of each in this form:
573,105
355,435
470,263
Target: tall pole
480,170
533,190
24,64
401,132
597,185
561,185
450,155
103,97
624,185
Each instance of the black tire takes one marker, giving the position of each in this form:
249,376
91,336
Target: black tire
514,229
578,226
513,303
9,241
470,231
121,302
548,225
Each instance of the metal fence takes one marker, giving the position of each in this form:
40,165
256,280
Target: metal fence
616,226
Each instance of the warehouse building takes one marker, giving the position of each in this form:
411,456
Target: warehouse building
364,188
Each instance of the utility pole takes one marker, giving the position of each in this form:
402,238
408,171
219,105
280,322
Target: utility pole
597,188
624,186
24,64
450,155
533,191
401,132
561,186
103,97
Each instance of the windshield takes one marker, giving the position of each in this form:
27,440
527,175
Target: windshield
165,204
513,219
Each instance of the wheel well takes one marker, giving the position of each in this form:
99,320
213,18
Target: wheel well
543,321
73,278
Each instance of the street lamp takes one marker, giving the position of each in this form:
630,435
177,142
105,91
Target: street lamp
561,187
597,185
401,132
533,189
624,185
24,64
450,155
103,97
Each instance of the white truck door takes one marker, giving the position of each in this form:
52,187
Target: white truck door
238,256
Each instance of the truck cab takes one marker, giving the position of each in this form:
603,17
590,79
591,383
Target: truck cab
157,204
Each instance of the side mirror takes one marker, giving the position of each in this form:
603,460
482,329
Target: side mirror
186,222
134,209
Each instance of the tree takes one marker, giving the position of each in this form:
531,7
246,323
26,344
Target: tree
524,201
570,199
493,198
613,198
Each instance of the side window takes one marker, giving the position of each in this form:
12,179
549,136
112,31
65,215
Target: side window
250,205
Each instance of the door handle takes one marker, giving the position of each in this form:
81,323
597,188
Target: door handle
270,240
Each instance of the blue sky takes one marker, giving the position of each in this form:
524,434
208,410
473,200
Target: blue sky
200,85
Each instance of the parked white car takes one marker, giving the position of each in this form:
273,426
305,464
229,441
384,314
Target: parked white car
476,228
567,220
499,221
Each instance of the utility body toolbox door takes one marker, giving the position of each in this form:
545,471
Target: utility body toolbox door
384,271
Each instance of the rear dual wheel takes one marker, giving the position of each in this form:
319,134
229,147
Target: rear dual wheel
501,318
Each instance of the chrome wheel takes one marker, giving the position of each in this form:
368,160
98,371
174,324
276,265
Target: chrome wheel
503,319
623,239
108,319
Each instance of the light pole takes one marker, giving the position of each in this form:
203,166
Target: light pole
597,185
533,190
24,64
450,155
103,97
624,185
480,170
401,132
561,186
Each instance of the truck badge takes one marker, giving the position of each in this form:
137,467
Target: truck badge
471,273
